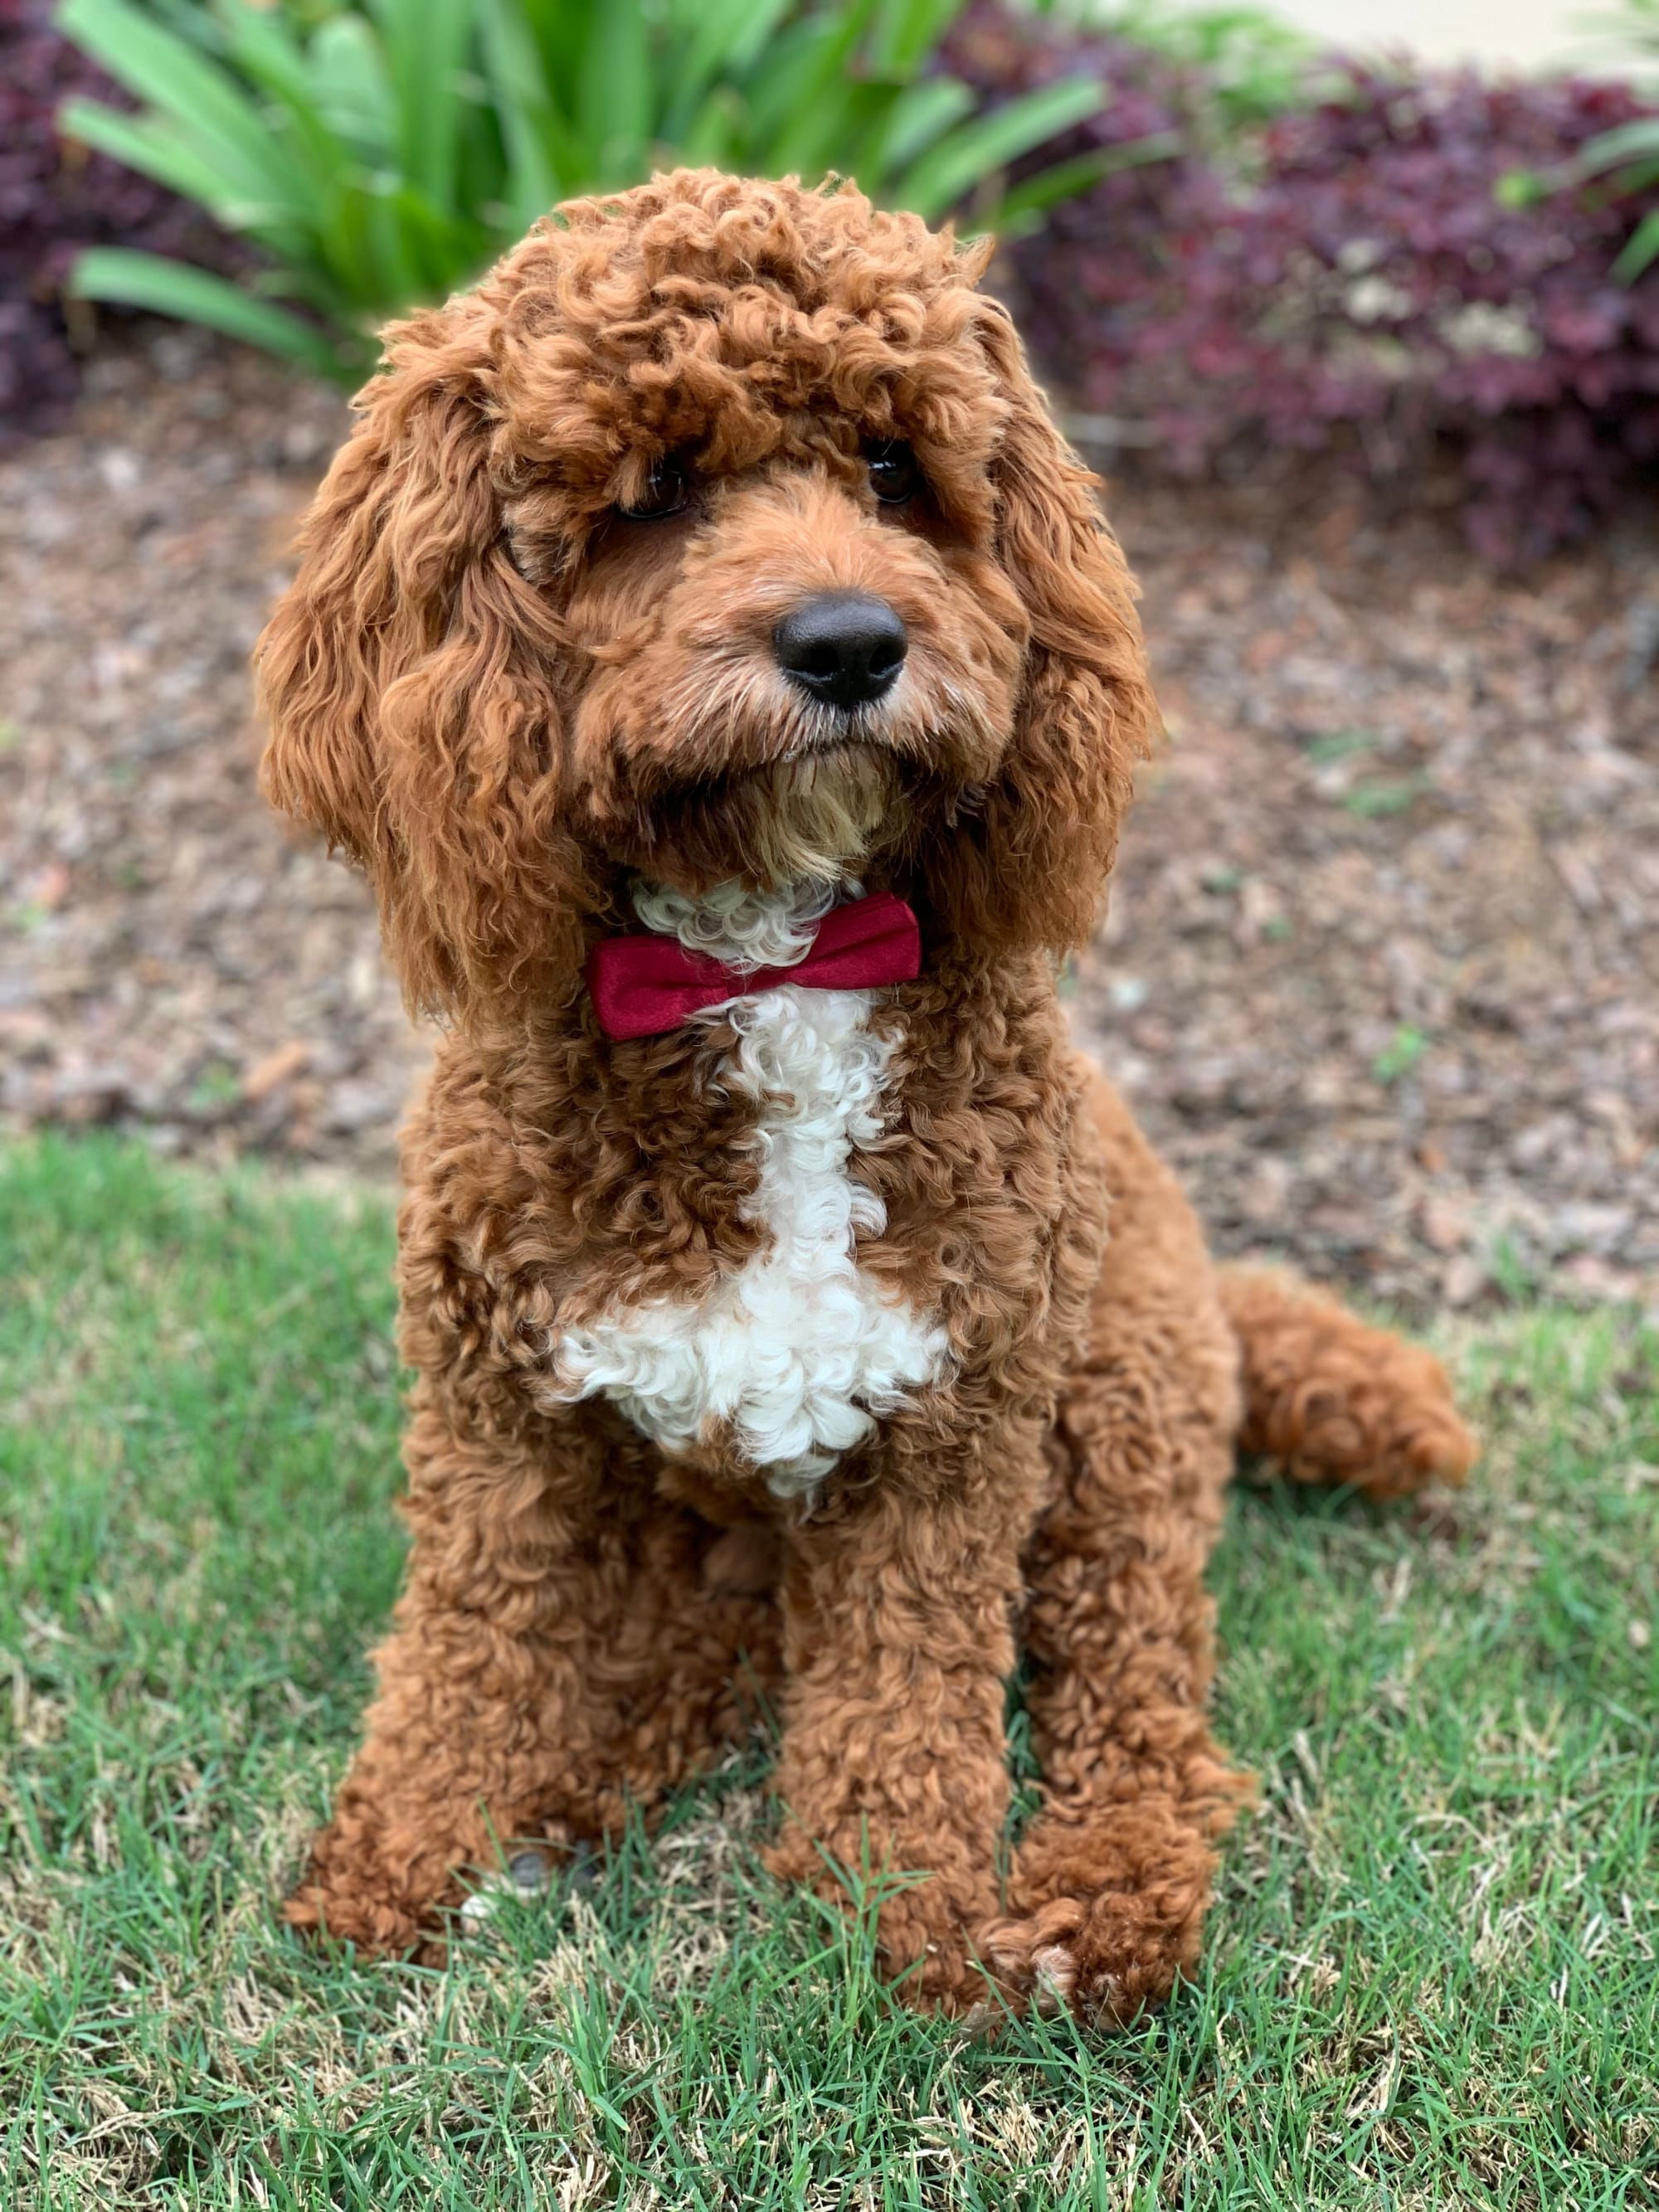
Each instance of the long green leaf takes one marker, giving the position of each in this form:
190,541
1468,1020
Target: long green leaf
1640,251
920,115
725,40
744,49
941,177
398,279
347,256
530,125
715,134
152,148
827,136
204,100
1021,208
425,43
906,31
259,41
614,104
155,148
830,99
560,29
194,295
445,251
1610,147
804,68
353,89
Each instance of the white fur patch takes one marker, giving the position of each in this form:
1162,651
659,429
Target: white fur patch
799,1351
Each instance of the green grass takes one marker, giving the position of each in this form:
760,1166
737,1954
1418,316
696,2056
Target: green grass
1431,1978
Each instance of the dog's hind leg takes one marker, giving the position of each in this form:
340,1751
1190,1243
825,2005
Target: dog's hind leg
1332,1400
1108,1890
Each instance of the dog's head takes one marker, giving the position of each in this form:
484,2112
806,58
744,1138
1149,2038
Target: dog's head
719,532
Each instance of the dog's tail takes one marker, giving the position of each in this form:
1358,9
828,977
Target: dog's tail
1334,1400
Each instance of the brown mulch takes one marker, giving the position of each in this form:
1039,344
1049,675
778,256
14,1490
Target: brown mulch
1382,973
169,960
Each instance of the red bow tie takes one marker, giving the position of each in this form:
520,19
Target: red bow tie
642,986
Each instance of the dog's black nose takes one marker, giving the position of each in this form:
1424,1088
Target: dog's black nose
845,647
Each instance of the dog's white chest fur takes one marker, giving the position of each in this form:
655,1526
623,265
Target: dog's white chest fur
799,1351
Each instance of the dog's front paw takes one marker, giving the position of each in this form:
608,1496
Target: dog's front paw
367,1912
355,1892
1111,1914
1095,1957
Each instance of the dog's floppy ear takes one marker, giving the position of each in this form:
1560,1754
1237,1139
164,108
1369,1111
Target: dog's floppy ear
1032,869
405,677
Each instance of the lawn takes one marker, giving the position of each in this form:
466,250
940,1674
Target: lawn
1431,1979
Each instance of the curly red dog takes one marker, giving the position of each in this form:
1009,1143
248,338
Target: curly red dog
707,597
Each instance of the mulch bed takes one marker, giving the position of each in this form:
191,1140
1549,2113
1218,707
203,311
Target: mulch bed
1380,970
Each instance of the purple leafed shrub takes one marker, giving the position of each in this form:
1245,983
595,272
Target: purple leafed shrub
53,200
1370,281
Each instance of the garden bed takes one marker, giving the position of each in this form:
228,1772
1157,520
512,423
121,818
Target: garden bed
1379,972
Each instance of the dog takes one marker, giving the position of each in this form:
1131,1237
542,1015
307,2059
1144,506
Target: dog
715,659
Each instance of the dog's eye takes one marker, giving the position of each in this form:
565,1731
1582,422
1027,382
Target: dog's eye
665,492
894,476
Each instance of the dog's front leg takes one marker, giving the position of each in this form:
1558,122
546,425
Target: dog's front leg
898,1641
1109,1886
558,1651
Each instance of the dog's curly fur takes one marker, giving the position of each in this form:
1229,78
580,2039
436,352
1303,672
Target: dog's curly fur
510,704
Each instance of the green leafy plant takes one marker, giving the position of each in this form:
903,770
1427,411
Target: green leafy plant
1249,64
1628,155
378,155
1400,1055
